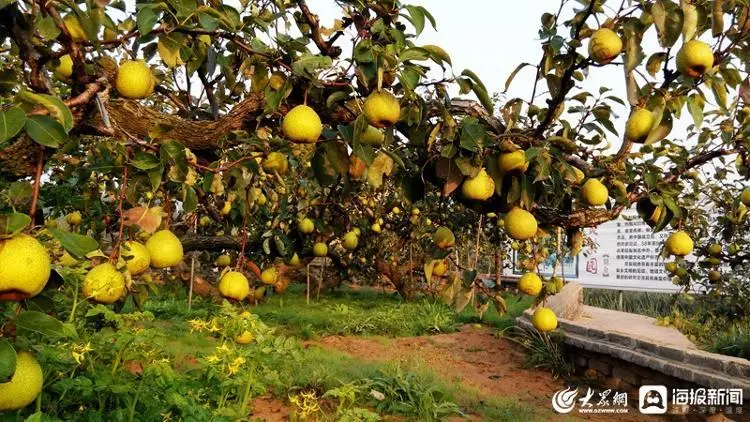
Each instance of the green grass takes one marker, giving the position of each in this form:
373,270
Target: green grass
644,303
372,312
410,389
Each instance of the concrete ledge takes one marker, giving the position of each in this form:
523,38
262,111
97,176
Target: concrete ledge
636,339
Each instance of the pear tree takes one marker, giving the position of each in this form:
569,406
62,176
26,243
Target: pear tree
194,128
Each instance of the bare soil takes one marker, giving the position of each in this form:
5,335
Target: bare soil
475,358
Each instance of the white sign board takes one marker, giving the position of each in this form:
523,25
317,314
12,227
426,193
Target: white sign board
626,258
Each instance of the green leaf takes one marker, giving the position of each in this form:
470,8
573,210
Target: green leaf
417,17
20,191
395,157
12,224
668,19
7,361
719,88
324,173
479,90
147,17
77,245
36,417
12,121
183,7
145,161
40,323
473,135
466,166
414,54
189,199
47,28
335,98
56,107
45,131
654,63
695,105
173,152
169,48
513,75
438,54
309,65
689,20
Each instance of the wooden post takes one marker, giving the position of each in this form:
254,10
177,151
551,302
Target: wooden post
619,300
479,234
320,280
192,280
308,283
498,269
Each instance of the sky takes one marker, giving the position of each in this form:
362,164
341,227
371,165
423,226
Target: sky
491,39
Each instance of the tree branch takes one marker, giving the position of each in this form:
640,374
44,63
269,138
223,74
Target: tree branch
312,20
566,82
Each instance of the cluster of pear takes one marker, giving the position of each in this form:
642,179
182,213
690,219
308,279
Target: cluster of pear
694,58
134,79
25,265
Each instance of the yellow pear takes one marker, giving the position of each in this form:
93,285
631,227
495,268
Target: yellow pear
24,267
520,224
579,175
679,244
223,261
440,268
104,284
639,125
513,161
234,285
443,238
695,58
372,136
306,226
65,70
134,80
276,161
136,257
604,46
480,187
350,241
530,284
165,249
595,193
544,319
74,28
302,124
382,109
74,218
25,384
715,249
269,276
320,249
375,227
745,198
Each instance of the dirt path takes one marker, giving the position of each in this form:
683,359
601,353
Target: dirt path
471,357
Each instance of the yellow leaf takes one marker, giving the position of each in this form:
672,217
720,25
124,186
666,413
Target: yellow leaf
381,166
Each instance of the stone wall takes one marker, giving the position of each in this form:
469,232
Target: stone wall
605,371
629,349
